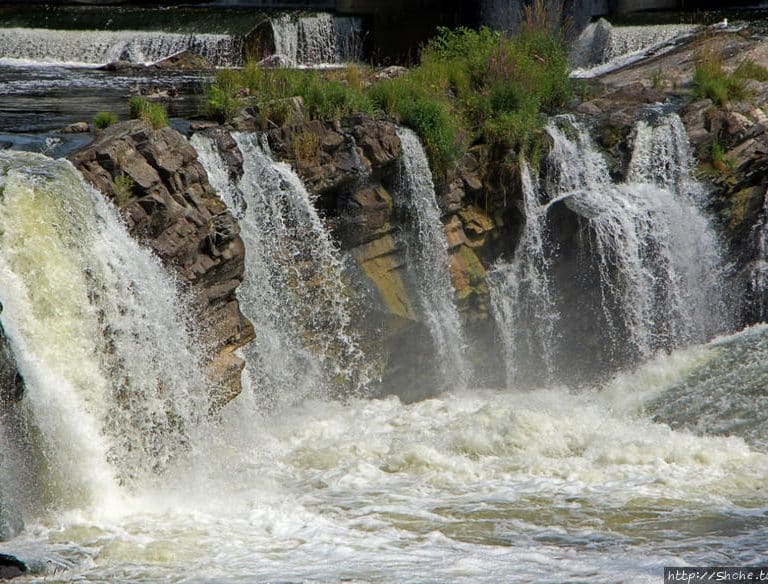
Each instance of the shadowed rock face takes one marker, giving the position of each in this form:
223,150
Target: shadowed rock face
154,178
11,567
11,382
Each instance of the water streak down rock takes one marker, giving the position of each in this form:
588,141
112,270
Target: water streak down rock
153,176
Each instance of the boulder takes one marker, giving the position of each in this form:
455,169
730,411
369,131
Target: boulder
76,128
154,178
11,567
184,61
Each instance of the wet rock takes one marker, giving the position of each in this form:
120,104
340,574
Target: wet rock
332,157
76,128
11,567
123,66
184,61
11,381
155,179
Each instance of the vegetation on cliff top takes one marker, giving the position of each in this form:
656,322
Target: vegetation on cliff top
471,85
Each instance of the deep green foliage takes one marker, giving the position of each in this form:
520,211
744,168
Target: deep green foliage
152,113
104,119
470,85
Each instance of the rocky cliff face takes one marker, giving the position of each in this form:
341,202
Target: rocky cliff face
154,178
352,167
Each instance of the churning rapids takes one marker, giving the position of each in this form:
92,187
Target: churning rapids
663,465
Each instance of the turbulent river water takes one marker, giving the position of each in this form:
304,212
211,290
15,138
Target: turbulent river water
661,465
474,486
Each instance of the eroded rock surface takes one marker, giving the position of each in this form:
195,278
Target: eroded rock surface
154,178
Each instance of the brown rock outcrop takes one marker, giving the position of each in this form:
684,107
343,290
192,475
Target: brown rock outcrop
154,178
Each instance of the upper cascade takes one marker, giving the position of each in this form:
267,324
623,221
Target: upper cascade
94,47
318,39
601,43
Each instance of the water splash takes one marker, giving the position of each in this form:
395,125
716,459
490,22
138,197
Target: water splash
428,255
319,39
293,289
98,331
100,47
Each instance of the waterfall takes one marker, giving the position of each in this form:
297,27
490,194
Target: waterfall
600,43
318,39
98,331
93,47
644,250
521,291
293,289
427,250
757,284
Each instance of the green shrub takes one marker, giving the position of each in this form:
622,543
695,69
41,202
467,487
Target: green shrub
151,113
123,189
470,85
104,119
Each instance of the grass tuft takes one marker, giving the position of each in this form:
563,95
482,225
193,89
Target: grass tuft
712,82
104,119
153,114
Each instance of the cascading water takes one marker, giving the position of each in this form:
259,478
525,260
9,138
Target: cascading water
98,332
293,290
600,44
427,250
757,284
655,260
318,39
100,47
663,466
521,291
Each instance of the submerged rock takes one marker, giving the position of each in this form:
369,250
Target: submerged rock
11,567
154,178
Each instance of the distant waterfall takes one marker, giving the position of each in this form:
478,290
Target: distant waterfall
601,43
98,331
654,259
428,255
93,47
293,290
318,39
